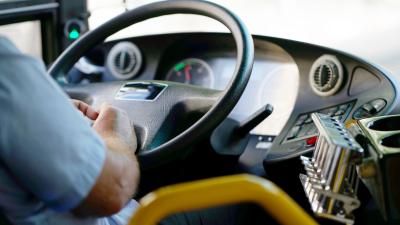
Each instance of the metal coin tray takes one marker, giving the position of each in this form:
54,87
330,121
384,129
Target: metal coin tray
331,179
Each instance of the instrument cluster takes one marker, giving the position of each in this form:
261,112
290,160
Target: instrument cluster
192,71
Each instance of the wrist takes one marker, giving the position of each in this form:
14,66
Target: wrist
118,144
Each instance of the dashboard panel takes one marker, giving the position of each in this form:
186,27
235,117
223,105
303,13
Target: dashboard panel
296,78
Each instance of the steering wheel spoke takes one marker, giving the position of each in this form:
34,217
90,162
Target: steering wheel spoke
156,121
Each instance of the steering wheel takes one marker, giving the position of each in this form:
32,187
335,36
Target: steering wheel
158,120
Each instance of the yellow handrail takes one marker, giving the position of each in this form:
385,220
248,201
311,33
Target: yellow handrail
216,192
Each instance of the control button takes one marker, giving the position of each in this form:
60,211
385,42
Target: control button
313,130
370,108
378,104
312,141
340,112
293,132
304,129
308,120
301,119
330,111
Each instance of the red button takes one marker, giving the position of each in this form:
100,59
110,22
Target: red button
312,141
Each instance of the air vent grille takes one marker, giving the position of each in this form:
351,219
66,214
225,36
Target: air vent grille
124,60
326,75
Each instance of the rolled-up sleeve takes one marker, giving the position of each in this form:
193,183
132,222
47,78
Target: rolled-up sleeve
45,143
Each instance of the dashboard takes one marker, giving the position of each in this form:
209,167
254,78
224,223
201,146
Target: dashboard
296,78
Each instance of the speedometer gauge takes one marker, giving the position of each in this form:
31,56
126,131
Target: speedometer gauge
192,71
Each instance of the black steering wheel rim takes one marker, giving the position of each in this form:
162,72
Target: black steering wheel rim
230,96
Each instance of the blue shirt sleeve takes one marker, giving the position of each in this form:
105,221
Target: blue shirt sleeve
45,143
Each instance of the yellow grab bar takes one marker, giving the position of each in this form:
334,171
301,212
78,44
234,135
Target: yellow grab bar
216,192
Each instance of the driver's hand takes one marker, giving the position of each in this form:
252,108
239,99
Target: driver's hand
86,109
115,127
113,124
120,173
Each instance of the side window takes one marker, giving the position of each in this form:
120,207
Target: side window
25,35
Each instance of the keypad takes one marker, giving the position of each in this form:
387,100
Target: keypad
304,127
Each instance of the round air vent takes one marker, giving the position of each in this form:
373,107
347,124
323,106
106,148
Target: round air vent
124,60
326,75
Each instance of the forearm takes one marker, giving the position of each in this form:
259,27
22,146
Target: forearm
125,165
117,183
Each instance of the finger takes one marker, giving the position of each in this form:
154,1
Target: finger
86,109
105,119
107,112
105,106
108,115
91,113
76,102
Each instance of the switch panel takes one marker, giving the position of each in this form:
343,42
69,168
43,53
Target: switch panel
304,127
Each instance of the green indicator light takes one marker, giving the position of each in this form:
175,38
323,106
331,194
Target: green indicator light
179,66
74,34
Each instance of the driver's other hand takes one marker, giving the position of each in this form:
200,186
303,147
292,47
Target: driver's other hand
115,127
86,109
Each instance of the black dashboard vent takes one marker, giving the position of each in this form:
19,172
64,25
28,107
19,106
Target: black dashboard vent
326,75
124,60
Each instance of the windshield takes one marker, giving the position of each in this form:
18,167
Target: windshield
367,28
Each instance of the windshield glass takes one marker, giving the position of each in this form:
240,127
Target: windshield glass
366,28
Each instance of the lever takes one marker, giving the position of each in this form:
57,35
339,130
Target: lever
231,137
256,118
